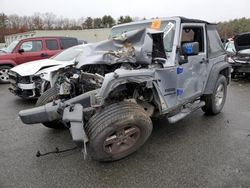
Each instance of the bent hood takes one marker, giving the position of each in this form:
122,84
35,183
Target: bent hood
33,67
141,41
242,41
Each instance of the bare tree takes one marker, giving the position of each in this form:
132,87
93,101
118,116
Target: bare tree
37,21
80,22
3,25
49,20
66,24
14,21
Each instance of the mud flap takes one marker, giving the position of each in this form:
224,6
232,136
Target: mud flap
74,116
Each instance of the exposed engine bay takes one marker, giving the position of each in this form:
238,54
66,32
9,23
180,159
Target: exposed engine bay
80,78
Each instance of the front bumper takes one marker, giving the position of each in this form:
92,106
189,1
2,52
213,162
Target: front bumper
54,110
24,90
23,86
70,112
241,67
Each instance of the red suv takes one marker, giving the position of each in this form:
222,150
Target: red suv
31,49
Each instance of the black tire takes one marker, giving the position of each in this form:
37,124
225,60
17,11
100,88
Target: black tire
4,78
125,117
214,102
48,96
233,75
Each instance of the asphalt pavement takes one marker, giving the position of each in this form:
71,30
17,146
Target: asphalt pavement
198,151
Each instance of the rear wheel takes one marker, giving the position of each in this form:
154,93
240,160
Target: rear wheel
117,131
216,101
4,77
48,96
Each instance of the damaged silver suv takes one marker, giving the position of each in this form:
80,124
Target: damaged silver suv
167,67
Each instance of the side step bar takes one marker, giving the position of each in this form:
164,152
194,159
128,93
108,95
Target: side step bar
186,111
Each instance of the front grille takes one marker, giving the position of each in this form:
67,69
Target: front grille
24,80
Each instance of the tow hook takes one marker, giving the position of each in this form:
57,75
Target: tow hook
73,115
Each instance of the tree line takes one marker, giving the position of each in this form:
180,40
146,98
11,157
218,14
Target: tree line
11,24
233,27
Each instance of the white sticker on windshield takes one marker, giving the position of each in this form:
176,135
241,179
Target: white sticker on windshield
168,28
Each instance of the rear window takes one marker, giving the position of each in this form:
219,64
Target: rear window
215,47
68,42
52,44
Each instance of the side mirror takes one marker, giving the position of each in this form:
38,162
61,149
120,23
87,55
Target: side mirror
190,48
20,51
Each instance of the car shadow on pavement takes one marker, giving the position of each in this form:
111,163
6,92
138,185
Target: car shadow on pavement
241,79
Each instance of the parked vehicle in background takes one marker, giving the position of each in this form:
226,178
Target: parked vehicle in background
30,49
239,54
31,79
142,73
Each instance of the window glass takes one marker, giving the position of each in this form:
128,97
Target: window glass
230,47
32,46
215,47
68,42
168,39
193,34
69,54
51,44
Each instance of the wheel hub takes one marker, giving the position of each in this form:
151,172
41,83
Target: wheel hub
4,74
219,95
122,140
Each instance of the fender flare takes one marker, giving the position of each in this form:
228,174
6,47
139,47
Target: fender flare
8,62
218,68
113,80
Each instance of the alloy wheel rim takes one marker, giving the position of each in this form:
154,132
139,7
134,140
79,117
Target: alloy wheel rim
219,96
4,74
122,139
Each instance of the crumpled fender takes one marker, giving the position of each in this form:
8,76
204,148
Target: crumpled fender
121,76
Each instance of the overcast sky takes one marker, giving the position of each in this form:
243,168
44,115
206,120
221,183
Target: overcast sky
210,10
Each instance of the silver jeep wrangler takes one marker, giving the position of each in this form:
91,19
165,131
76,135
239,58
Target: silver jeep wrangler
167,67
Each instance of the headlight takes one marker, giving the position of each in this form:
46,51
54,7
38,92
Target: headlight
230,60
36,79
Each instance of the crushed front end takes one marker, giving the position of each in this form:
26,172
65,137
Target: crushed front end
24,86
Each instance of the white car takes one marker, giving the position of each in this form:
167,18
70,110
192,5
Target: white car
31,79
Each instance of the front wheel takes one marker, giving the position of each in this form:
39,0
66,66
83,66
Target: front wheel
117,131
4,77
48,96
215,101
